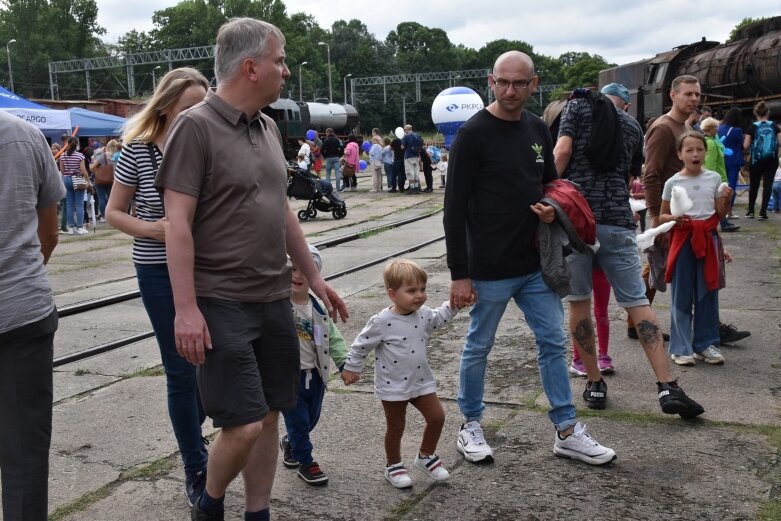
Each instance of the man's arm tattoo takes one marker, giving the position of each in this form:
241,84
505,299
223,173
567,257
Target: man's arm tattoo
648,333
584,336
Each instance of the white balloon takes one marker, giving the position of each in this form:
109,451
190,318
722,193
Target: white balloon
637,205
399,132
646,239
451,108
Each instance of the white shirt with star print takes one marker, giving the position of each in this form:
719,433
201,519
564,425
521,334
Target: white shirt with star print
401,370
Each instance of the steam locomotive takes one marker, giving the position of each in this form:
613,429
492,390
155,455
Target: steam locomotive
735,74
295,118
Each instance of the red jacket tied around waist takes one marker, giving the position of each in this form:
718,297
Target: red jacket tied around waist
701,234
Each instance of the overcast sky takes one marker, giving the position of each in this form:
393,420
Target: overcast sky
621,31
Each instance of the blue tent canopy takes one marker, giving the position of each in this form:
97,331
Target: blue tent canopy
51,121
96,124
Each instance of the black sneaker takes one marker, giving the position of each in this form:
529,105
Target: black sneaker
287,454
595,394
729,334
730,227
632,332
762,216
674,401
750,214
194,485
196,514
312,474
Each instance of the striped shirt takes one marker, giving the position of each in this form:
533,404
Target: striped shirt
71,163
136,170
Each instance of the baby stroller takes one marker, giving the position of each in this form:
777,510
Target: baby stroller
305,185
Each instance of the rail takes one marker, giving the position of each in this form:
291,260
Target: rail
130,295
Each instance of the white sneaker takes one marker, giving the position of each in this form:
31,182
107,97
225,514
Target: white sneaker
683,359
397,476
71,230
580,446
471,443
711,355
81,231
432,466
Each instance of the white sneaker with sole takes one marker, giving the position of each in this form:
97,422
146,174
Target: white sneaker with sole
710,355
471,443
81,231
432,466
397,476
683,359
580,446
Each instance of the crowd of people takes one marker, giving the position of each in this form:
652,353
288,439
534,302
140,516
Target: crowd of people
245,322
394,162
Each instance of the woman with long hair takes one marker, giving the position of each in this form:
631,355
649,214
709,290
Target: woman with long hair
761,142
75,177
145,137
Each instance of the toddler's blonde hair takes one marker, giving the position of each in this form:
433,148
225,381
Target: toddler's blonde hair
402,271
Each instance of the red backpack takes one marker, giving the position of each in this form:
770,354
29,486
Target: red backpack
572,211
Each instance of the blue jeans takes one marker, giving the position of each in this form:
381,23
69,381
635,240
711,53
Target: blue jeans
545,316
104,192
776,196
332,163
617,257
389,175
302,420
689,291
74,201
184,403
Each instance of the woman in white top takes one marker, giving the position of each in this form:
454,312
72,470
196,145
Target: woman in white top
144,137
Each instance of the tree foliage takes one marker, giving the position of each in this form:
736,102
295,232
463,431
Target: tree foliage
735,33
410,48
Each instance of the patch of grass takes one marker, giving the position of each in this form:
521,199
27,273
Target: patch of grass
371,233
155,470
770,511
405,507
82,372
147,371
83,503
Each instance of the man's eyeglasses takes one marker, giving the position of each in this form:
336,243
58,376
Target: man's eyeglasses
517,84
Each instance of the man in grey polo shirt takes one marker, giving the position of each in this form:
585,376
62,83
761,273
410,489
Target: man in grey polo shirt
230,231
28,318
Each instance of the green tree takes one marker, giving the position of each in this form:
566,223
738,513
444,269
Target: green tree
421,49
47,31
735,35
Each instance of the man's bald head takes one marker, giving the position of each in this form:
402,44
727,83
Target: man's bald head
514,60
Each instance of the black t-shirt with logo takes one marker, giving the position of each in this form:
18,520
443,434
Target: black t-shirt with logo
496,170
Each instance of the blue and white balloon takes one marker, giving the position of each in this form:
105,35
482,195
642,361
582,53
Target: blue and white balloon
451,108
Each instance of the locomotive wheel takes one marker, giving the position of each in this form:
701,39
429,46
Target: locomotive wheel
312,213
340,213
303,215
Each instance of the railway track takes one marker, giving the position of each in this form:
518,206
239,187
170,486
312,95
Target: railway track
103,302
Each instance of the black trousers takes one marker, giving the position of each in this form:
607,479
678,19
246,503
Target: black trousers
763,171
26,393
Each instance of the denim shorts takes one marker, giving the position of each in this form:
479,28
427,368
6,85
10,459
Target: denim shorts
253,366
618,257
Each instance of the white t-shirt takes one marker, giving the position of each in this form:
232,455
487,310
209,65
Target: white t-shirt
302,314
399,342
701,189
305,151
